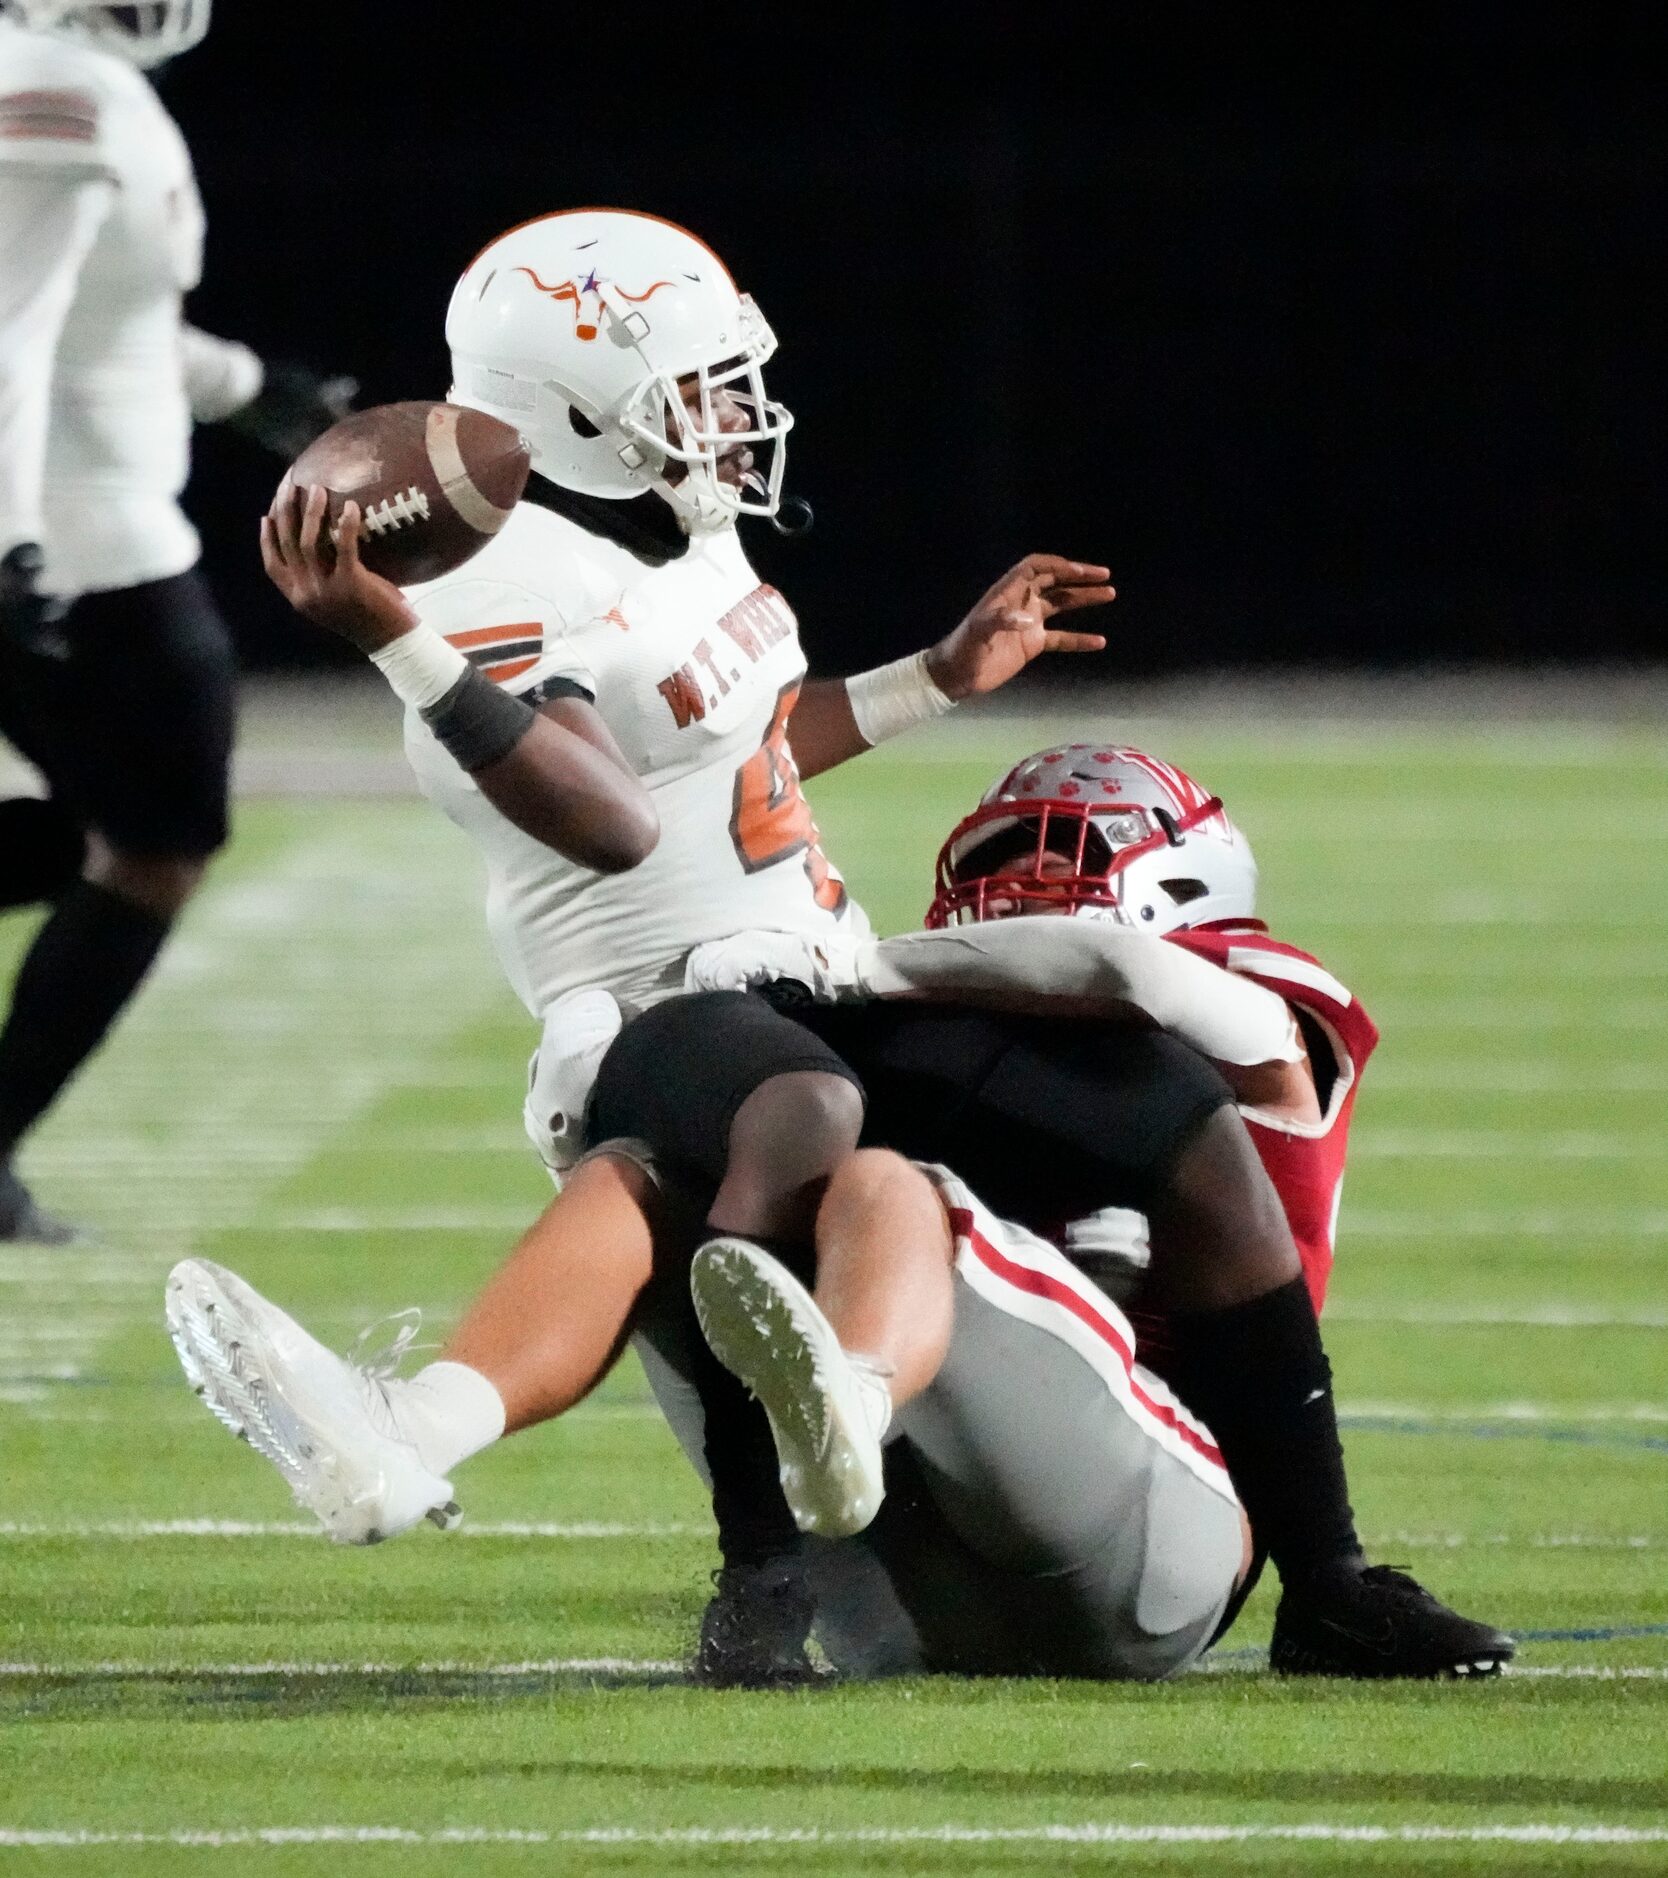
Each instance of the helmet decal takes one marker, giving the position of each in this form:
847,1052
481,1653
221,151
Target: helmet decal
586,326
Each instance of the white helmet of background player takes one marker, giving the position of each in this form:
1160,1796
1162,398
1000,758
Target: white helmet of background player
144,35
1101,831
577,329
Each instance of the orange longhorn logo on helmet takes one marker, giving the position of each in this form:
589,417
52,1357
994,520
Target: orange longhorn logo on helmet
585,297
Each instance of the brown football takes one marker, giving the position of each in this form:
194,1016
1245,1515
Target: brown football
434,483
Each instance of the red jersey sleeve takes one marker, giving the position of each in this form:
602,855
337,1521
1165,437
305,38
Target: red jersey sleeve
1305,1161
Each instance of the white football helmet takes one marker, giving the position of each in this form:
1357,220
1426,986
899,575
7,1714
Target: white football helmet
578,328
145,35
1101,831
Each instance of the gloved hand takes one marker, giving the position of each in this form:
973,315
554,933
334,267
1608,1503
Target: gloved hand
828,967
294,405
578,1028
28,617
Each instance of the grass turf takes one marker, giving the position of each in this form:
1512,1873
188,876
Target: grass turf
321,1088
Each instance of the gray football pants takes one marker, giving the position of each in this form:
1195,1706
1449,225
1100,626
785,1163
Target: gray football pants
1051,1508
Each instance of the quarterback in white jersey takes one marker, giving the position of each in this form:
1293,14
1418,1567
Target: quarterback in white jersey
695,667
619,608
115,671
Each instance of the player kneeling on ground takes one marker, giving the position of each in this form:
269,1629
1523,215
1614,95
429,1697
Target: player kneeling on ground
1045,1506
1156,889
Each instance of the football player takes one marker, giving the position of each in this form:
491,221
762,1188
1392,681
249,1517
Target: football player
603,699
115,670
1049,1507
1132,851
1155,888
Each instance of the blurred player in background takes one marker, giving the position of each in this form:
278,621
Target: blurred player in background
116,672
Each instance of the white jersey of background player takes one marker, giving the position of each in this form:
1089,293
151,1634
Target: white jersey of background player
101,236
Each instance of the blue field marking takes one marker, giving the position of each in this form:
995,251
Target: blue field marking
1502,1431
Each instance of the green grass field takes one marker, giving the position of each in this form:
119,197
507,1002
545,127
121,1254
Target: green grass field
322,1089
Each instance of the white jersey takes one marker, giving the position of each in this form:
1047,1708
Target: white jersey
694,666
101,235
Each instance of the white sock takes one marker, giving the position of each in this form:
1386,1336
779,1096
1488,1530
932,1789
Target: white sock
447,1412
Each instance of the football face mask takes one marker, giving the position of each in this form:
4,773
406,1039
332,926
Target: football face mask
1097,833
146,35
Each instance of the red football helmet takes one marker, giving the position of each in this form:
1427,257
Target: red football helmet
1101,831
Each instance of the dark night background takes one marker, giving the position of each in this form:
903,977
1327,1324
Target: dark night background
1339,350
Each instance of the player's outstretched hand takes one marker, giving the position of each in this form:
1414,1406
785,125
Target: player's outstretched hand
1011,625
320,572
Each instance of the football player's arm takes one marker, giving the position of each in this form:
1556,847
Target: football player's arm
837,719
556,772
48,221
1086,968
280,405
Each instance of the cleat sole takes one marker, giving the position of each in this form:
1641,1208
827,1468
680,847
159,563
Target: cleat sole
759,1329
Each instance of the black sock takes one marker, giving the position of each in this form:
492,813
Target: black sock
86,962
41,850
1257,1374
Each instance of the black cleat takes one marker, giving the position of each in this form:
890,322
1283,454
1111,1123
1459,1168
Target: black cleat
754,1630
1374,1621
23,1223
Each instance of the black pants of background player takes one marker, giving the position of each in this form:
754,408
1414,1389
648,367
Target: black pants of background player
1048,1122
126,706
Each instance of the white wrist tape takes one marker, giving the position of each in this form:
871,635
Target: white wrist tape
421,666
894,698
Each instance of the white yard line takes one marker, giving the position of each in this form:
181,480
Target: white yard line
137,1529
310,1529
1552,1315
815,1838
1524,1146
1488,1222
1652,1412
1487,1075
291,1001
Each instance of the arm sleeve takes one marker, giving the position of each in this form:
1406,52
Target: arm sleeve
47,224
1060,965
221,376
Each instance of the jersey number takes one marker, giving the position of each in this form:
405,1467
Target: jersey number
771,820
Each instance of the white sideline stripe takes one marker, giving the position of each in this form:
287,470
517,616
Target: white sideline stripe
1507,1411
1499,1144
310,1529
811,1838
1593,1222
603,1529
1525,1317
622,1666
550,1666
1521,1076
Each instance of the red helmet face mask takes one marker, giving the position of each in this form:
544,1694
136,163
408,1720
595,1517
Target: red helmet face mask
1100,833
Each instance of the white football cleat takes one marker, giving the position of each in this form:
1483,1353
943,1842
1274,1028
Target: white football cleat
322,1422
827,1409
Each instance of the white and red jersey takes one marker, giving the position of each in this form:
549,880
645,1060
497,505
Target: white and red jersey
694,665
1304,1160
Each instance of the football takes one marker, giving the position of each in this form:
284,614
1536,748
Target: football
434,483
